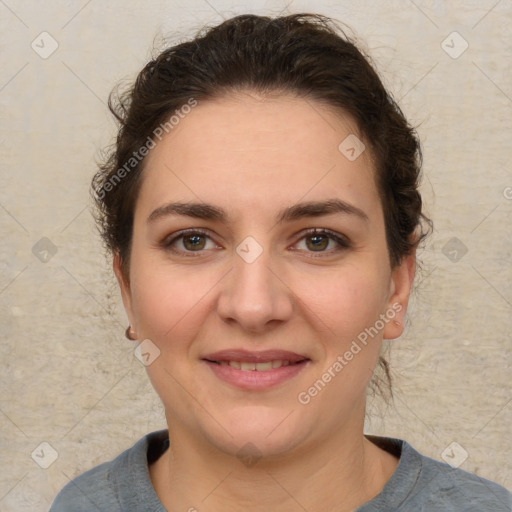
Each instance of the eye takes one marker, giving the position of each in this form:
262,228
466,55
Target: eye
196,240
190,240
317,240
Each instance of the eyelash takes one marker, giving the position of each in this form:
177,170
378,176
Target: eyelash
343,243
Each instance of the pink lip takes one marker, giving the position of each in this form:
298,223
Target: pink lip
253,379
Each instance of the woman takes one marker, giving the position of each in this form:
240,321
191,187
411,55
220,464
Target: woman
263,213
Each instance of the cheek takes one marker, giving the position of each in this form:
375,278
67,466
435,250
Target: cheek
167,299
344,301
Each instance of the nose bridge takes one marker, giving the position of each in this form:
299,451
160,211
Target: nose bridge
252,295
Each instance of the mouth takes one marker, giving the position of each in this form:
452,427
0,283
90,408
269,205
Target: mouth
255,370
247,366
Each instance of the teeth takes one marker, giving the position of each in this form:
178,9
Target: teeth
259,367
263,367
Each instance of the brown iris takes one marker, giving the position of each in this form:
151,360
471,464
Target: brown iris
196,242
320,241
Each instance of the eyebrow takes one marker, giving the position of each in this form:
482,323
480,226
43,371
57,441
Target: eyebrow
291,213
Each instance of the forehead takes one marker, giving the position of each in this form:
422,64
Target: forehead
254,150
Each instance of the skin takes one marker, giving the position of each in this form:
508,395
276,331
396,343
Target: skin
253,155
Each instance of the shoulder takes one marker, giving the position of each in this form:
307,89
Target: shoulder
110,486
92,490
423,484
455,489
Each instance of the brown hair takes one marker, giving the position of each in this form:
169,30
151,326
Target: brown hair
305,54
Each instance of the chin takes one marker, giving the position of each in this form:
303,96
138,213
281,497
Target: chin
257,431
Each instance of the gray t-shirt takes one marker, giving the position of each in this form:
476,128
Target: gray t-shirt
418,484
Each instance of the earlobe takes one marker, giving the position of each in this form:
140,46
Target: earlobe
402,278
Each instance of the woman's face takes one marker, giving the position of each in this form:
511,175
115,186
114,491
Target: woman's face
253,285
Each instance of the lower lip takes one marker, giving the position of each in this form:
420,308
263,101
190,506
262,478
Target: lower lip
254,379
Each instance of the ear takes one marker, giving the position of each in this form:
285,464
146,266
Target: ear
402,278
124,287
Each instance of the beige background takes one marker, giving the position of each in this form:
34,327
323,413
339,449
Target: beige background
69,377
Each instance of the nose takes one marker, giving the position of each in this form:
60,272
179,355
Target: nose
254,295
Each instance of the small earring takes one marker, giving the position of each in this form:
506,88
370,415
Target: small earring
130,333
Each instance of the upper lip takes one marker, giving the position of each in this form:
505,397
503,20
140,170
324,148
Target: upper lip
254,357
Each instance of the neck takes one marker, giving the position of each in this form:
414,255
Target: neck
340,474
